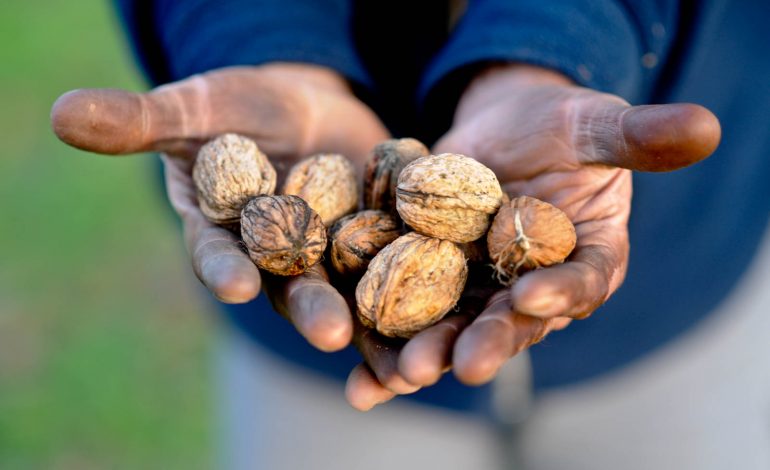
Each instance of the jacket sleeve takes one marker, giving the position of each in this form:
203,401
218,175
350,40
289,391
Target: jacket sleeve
173,39
615,46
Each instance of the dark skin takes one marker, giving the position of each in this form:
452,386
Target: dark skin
290,110
574,148
542,135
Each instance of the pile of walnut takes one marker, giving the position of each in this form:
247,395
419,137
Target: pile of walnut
411,245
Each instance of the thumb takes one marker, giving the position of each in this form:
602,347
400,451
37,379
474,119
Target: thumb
179,116
118,122
644,138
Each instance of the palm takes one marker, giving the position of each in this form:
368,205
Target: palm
545,153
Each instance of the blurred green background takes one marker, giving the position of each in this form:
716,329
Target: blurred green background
104,347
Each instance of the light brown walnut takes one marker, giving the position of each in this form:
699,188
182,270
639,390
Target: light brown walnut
327,182
282,234
528,233
229,171
448,196
411,284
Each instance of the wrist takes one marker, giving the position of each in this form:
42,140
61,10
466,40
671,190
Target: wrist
497,81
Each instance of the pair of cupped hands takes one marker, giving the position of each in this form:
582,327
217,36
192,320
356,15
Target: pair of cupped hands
541,135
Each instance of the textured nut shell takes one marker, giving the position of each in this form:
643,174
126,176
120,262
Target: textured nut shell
448,196
528,233
357,238
411,284
327,182
229,171
383,167
282,234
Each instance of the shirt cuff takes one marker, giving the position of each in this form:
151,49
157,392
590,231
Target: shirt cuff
201,35
592,42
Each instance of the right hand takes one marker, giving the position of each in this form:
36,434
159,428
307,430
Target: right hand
290,110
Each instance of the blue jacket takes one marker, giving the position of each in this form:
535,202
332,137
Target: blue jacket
693,232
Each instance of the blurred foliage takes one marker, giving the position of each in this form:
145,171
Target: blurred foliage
103,342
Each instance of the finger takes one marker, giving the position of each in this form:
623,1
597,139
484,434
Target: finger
217,256
573,289
314,307
559,323
119,122
363,391
494,337
381,354
176,118
223,267
645,138
428,355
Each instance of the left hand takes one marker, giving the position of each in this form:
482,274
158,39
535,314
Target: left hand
574,148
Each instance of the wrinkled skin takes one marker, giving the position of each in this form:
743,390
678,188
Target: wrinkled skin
541,135
572,147
290,110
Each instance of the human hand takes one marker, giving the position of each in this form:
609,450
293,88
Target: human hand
569,146
396,366
290,110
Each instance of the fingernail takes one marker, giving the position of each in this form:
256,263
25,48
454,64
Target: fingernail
400,386
544,305
384,400
370,404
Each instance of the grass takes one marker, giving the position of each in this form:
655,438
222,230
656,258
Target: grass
103,341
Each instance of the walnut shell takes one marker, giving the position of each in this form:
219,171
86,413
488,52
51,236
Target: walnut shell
411,284
383,167
229,171
528,233
357,238
327,182
282,234
448,196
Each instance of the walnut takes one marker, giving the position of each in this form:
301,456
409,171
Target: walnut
448,196
356,238
282,234
528,233
381,175
327,182
411,284
229,171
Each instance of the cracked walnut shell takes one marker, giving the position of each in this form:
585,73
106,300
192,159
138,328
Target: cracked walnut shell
528,233
385,163
327,182
411,284
357,238
282,234
229,171
448,196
